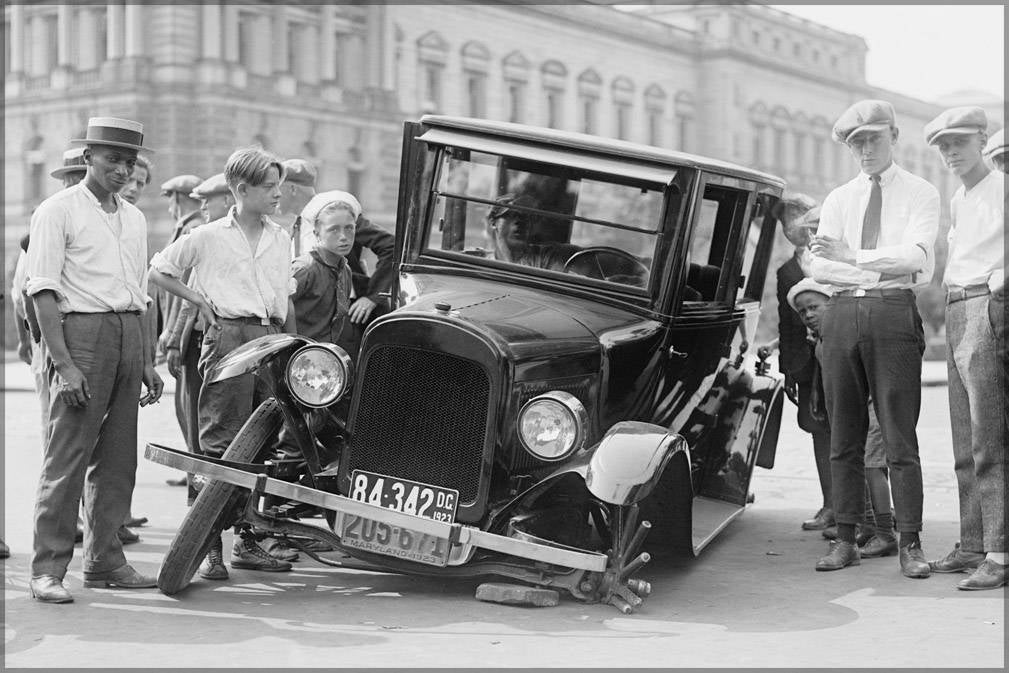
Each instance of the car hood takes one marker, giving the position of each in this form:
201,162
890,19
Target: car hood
527,322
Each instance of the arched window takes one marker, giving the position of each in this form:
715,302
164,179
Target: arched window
515,68
623,100
432,54
655,112
475,64
684,109
780,121
589,84
759,119
35,163
554,76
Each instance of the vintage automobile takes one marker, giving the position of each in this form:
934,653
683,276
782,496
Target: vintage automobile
568,368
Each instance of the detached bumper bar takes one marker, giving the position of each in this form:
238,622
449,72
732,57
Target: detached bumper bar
455,533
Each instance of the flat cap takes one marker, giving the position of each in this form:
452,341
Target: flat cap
963,121
300,172
807,285
212,186
182,184
996,145
865,115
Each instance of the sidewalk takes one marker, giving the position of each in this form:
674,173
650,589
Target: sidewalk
17,377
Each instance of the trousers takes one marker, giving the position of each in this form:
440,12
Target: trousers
187,398
978,422
92,448
225,406
873,346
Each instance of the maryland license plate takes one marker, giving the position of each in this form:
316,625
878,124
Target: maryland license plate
401,495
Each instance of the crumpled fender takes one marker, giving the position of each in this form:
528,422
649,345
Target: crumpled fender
628,461
254,354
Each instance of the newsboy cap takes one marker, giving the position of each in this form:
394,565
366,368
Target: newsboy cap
299,172
865,115
73,162
212,186
115,132
965,120
996,145
807,285
183,184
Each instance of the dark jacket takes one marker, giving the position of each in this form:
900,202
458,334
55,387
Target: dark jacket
795,358
322,298
380,242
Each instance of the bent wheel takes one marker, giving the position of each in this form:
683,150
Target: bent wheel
216,505
616,585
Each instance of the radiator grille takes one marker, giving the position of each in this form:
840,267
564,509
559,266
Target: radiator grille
422,416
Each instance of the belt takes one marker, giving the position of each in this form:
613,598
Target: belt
133,312
955,294
887,292
252,320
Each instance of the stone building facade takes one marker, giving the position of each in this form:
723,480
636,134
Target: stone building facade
746,83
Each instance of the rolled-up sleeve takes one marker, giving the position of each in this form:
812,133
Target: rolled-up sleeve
918,242
178,256
47,250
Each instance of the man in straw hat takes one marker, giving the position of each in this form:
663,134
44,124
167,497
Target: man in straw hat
73,169
975,281
86,277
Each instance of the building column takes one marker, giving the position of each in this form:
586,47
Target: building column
114,31
87,30
327,44
278,39
354,65
39,45
211,37
133,43
17,39
63,28
231,33
374,46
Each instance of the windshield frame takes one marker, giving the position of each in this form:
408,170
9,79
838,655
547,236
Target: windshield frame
675,195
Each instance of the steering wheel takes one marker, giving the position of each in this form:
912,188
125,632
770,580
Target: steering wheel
606,263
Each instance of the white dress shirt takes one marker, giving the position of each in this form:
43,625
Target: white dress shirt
908,227
977,237
235,281
94,261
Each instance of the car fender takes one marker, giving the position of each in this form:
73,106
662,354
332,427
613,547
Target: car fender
254,354
628,461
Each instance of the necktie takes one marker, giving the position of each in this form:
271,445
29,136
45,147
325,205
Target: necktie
873,215
296,235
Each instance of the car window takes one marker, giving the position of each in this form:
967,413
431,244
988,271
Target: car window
524,213
711,242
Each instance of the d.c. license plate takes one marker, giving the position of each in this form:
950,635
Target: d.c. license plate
401,495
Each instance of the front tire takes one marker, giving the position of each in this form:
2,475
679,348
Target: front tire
213,509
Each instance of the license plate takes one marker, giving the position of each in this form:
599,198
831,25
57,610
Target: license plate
401,495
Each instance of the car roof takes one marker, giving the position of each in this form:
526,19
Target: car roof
597,145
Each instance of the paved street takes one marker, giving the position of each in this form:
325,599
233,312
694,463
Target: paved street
751,599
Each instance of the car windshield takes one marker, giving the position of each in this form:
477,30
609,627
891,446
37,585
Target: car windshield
523,213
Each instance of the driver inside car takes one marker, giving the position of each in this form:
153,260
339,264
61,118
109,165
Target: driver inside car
510,229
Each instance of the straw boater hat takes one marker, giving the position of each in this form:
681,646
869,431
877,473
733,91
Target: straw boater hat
115,132
73,162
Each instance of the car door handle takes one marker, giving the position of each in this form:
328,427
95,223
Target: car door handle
673,353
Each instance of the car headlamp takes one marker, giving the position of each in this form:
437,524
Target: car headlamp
319,374
552,426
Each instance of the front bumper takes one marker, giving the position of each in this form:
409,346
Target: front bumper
455,533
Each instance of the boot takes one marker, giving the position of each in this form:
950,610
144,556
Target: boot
212,567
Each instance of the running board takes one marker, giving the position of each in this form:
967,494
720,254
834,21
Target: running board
710,517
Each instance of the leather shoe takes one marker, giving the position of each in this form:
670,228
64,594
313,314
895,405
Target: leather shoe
49,589
79,535
957,561
842,554
5,551
989,575
181,481
250,556
127,536
278,550
822,519
135,521
877,546
212,567
123,577
913,563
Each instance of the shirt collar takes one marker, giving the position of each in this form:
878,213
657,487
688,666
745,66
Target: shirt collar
886,177
80,186
231,219
330,259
